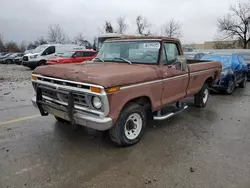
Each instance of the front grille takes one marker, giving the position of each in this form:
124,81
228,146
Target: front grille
25,58
79,98
64,83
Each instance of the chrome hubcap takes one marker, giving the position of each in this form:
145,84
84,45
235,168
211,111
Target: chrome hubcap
205,97
133,126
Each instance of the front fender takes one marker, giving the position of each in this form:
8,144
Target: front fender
120,98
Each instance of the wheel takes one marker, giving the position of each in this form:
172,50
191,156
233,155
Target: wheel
230,87
201,98
42,63
8,61
129,126
244,82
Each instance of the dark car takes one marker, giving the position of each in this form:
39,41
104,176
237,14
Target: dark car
194,55
2,58
10,59
3,54
246,57
234,71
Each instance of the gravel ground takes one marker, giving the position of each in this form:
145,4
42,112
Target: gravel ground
14,73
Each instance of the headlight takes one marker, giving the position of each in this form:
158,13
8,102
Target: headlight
33,56
96,102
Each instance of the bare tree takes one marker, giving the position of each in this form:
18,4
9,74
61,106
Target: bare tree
142,25
39,41
108,27
2,46
122,25
56,34
235,24
11,47
79,40
172,29
22,47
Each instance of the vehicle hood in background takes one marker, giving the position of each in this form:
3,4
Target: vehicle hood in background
60,59
31,54
106,74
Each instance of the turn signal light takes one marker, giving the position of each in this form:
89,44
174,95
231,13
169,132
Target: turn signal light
113,89
33,77
96,89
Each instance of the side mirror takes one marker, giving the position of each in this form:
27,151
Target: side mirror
180,63
73,56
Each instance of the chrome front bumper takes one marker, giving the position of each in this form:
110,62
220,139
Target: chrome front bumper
80,118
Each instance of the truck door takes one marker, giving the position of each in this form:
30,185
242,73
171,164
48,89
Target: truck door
175,74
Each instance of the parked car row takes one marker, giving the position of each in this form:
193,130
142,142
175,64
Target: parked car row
10,58
57,54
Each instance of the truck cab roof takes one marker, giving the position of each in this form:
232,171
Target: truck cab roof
145,38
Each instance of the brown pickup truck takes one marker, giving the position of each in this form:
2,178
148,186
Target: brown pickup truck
131,80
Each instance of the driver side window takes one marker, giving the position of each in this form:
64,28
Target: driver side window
171,53
50,50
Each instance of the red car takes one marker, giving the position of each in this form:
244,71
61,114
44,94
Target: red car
77,56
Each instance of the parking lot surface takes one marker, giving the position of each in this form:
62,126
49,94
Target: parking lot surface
199,148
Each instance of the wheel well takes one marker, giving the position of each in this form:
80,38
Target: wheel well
143,101
209,80
43,61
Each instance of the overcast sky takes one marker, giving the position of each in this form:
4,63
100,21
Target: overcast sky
28,19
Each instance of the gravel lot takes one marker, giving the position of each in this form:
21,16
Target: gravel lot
14,73
199,148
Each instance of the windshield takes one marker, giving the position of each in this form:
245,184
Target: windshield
144,52
224,59
6,55
39,49
13,55
67,54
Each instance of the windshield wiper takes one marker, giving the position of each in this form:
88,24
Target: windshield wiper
123,59
98,59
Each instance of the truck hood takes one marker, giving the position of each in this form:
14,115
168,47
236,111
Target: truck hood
31,54
108,74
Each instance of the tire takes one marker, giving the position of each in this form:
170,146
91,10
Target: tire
42,63
230,88
126,132
201,98
8,61
244,82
